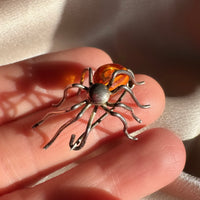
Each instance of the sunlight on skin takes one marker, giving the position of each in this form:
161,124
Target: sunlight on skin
32,84
135,172
33,140
22,158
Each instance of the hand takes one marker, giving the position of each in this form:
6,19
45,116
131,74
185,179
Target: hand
119,169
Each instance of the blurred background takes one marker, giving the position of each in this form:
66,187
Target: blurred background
160,38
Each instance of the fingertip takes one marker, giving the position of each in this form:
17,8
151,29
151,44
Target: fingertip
169,149
167,158
154,161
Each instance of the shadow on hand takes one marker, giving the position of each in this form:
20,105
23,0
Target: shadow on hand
79,193
35,87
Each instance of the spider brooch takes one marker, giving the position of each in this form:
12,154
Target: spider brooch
108,80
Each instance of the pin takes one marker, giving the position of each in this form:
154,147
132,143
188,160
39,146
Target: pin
108,80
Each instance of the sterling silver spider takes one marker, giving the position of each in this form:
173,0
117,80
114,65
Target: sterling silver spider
108,80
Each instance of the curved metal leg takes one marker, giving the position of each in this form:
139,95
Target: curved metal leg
133,78
122,105
65,125
129,73
124,87
83,78
78,105
98,121
80,142
48,115
75,85
115,114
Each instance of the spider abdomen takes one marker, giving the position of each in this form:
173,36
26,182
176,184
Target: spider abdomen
104,73
99,94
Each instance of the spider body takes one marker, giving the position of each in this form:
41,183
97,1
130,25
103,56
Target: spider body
99,94
108,80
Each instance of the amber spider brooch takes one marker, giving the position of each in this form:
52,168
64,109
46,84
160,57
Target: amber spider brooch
107,80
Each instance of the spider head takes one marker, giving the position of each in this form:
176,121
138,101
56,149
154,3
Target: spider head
99,94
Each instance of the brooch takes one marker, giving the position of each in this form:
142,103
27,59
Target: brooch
107,81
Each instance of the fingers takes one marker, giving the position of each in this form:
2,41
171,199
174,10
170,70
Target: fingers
23,146
22,156
27,86
35,83
125,171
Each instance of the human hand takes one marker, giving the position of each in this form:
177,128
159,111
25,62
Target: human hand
120,169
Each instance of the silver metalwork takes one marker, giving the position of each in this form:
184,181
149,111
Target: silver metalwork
99,95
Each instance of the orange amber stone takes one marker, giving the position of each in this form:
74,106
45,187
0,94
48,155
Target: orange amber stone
104,74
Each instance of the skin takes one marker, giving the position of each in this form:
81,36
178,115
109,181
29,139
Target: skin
119,168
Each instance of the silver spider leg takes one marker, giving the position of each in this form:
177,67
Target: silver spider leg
126,88
115,114
75,85
83,78
83,75
65,125
98,121
48,115
124,72
122,105
80,142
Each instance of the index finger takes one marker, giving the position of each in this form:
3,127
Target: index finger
35,83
